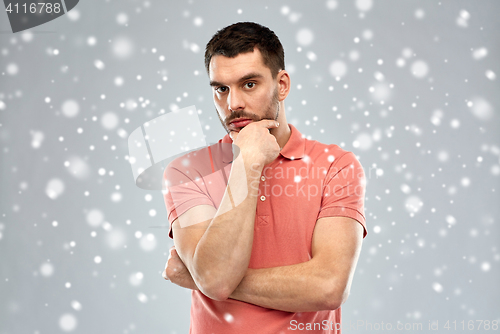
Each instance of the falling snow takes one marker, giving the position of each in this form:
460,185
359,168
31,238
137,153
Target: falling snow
68,322
412,94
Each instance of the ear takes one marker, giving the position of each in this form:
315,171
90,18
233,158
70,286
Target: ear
283,79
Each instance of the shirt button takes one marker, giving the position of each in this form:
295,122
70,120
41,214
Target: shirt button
262,198
263,178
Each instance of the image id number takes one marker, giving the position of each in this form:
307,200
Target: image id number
41,7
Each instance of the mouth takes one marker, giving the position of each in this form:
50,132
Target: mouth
240,123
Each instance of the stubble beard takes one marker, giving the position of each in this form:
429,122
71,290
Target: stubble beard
272,112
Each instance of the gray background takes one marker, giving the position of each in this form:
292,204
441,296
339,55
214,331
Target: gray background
427,134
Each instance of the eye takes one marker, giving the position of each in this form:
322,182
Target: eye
250,84
221,89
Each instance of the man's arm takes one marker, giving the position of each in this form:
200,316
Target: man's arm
322,283
215,245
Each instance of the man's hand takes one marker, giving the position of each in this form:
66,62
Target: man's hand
177,273
256,142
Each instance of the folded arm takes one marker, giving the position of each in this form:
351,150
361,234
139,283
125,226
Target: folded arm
322,283
215,245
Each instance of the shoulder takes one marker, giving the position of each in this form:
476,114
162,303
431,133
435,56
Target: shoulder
327,154
198,163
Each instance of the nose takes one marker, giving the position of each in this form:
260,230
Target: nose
235,101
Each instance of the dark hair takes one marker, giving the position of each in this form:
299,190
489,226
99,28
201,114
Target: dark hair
242,37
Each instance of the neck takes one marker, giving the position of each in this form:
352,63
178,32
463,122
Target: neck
282,132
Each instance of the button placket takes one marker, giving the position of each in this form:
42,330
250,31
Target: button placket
263,208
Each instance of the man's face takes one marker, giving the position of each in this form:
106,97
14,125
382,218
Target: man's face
243,90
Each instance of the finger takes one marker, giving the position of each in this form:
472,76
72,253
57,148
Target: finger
171,250
267,123
172,254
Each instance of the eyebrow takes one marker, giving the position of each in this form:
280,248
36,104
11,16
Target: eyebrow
245,78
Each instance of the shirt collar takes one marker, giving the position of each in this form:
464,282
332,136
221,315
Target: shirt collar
294,147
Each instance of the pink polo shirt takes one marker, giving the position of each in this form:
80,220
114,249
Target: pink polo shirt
307,181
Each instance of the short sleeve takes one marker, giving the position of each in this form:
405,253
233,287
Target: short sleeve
344,190
182,193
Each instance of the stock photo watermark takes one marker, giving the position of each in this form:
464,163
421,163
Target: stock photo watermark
28,14
431,325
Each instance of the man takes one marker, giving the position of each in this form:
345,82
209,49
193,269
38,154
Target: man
268,240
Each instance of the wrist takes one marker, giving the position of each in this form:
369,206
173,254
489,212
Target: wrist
254,170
